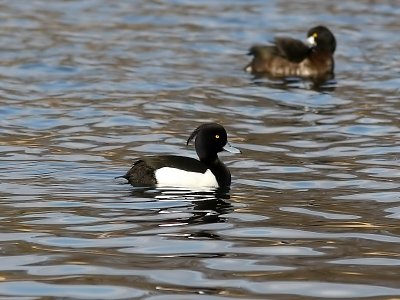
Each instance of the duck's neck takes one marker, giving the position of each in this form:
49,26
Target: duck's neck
323,60
220,171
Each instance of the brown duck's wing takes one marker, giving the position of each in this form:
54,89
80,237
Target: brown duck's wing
261,51
262,57
291,49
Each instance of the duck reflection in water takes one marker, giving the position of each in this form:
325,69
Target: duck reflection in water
321,85
195,206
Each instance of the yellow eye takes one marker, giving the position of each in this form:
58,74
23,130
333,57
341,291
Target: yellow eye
217,136
315,35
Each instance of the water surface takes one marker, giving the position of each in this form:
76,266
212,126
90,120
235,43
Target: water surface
88,86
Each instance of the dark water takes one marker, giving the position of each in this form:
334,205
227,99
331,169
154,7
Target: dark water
88,86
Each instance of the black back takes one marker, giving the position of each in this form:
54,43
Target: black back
142,171
173,161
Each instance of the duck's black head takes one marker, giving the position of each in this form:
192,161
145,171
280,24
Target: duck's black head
321,38
211,138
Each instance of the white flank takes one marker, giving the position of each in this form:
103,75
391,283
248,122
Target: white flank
175,177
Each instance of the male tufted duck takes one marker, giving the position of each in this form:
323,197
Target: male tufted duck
180,171
291,57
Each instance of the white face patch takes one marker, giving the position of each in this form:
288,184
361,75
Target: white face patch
175,177
311,40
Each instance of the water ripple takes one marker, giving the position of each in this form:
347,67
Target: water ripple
88,87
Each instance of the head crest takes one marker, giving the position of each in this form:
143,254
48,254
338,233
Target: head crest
211,126
193,135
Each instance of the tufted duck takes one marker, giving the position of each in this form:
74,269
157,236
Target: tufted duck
172,170
291,57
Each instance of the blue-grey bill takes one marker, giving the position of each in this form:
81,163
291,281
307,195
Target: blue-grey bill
231,149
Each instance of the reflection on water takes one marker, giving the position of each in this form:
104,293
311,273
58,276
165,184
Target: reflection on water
88,86
322,85
188,206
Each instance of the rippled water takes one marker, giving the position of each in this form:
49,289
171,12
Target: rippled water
88,86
